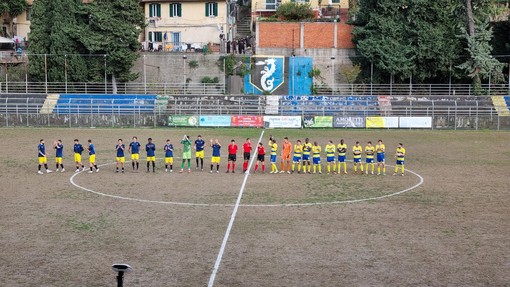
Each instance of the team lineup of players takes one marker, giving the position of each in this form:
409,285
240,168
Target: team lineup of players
301,157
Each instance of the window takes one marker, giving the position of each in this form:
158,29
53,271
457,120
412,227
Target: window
271,4
29,13
176,38
154,10
211,9
155,36
175,10
336,1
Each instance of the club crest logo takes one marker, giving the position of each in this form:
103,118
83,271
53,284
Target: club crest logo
267,72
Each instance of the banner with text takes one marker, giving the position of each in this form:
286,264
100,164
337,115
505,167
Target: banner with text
381,122
215,121
183,121
318,121
283,121
415,122
349,122
247,121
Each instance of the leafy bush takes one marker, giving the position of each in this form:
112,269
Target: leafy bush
208,80
292,11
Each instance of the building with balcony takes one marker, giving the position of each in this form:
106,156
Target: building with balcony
185,25
324,9
18,27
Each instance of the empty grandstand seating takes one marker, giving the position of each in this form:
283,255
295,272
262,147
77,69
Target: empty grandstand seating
330,105
21,103
104,104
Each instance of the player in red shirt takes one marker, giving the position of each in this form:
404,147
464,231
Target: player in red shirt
260,158
232,154
246,153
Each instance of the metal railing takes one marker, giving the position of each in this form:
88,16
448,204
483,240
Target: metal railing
411,90
122,88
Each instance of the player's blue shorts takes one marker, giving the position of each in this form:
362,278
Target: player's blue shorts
369,160
400,162
330,159
296,159
316,160
341,158
380,157
306,157
273,158
356,160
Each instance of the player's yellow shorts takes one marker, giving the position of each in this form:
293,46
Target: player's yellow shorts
199,154
92,158
58,160
77,157
169,160
215,159
120,159
151,158
42,160
135,156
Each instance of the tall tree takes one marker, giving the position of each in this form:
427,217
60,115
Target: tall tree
12,8
54,42
407,38
112,28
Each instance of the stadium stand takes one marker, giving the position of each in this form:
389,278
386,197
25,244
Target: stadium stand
104,104
502,105
330,105
21,103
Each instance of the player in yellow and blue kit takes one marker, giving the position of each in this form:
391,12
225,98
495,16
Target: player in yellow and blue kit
274,149
216,156
199,151
342,155
330,156
357,150
134,149
307,149
369,153
150,148
92,156
316,157
78,149
380,149
400,155
41,157
169,155
59,152
120,158
298,154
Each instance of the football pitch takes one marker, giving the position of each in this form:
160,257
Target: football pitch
446,223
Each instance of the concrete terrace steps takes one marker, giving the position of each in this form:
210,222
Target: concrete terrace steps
49,104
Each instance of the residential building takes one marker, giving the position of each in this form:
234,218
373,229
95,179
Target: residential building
18,27
185,25
323,8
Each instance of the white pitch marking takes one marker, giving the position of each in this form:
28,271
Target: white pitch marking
232,218
248,205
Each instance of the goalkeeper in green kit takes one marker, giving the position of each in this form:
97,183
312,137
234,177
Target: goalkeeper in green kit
186,153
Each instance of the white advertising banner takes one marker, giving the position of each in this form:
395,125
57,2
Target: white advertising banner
416,122
283,121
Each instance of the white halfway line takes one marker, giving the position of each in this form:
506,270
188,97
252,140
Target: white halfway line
232,218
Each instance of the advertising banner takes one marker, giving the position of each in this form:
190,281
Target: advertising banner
183,121
318,121
381,122
283,121
247,121
215,121
415,122
349,122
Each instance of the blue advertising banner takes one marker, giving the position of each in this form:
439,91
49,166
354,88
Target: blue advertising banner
215,121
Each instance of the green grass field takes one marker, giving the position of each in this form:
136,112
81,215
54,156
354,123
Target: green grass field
450,231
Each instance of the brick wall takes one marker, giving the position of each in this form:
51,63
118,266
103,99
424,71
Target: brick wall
279,35
315,35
